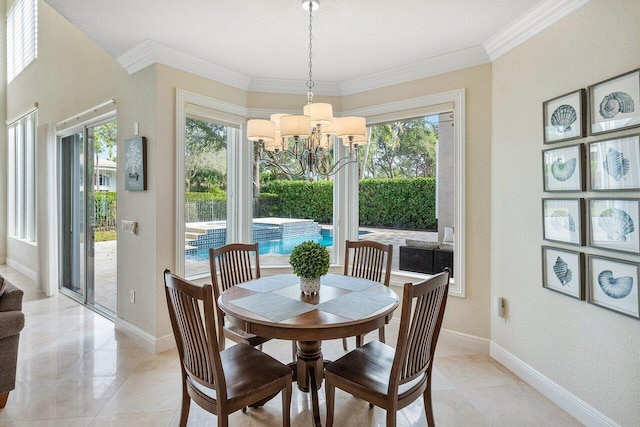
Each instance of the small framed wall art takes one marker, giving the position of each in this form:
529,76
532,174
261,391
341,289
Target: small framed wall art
562,220
613,224
135,164
562,168
614,104
563,271
564,117
613,284
615,164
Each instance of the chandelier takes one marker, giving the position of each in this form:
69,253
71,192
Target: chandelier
302,146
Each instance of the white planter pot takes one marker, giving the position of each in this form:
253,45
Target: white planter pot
309,286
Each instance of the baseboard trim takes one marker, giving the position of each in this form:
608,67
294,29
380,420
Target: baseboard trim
146,340
471,342
22,269
575,406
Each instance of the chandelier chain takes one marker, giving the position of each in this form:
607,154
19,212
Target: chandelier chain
310,81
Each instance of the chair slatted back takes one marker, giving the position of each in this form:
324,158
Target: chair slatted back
194,331
367,259
231,264
423,307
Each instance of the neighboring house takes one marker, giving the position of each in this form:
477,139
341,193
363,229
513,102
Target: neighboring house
106,179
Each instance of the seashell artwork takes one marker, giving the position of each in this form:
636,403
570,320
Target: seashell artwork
614,103
562,171
613,287
616,223
563,272
616,164
562,219
563,117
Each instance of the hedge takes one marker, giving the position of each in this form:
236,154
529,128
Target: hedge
301,199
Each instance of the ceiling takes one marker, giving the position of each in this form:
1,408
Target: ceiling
268,39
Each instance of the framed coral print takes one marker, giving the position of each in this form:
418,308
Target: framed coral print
614,104
615,164
613,224
562,168
613,284
563,271
562,220
564,117
135,164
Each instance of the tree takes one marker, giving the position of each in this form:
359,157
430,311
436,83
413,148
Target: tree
204,168
104,138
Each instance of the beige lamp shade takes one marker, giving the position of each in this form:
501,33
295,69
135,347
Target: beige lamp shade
320,113
274,145
275,118
328,132
352,126
261,130
295,126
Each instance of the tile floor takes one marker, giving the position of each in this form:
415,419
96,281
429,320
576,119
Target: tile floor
75,370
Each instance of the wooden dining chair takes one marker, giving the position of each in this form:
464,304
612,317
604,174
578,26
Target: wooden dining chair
231,265
370,260
392,379
221,382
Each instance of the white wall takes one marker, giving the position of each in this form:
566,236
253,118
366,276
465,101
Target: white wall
591,352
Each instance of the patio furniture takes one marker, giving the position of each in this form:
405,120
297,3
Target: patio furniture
274,307
232,263
392,379
426,257
369,260
221,382
11,323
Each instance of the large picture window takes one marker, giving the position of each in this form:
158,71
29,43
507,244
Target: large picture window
22,177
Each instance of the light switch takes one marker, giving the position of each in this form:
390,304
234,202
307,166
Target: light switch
129,226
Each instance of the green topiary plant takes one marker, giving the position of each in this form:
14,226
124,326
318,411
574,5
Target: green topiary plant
310,260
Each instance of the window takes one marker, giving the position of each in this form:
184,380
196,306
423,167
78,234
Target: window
22,36
22,177
103,180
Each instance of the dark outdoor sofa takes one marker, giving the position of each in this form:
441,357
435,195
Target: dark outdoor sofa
426,257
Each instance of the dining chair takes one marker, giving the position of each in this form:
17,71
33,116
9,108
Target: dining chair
368,259
231,265
221,382
392,379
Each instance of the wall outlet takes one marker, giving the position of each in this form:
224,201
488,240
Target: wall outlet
129,226
132,296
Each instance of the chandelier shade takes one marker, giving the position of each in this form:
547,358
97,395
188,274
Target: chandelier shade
295,126
260,130
320,113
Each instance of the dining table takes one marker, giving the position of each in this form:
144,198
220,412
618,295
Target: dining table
274,307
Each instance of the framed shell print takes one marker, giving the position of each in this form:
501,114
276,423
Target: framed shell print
563,271
613,284
562,168
562,220
564,117
613,224
614,104
615,164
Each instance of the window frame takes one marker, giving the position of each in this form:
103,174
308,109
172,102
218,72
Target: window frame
22,37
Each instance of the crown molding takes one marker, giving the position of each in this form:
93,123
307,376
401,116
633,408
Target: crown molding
150,52
534,21
418,70
323,88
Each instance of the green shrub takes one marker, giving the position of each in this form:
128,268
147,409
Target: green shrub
302,199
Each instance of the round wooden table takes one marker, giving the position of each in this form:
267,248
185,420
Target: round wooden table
338,311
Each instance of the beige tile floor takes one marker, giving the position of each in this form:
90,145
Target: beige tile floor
75,370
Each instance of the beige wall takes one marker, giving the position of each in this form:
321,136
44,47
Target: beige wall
590,351
3,134
471,314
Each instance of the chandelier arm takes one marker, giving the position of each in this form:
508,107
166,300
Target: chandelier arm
310,81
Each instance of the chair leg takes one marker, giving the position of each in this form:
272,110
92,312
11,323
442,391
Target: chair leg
3,399
286,405
381,334
330,392
223,420
260,347
391,418
186,403
428,407
344,344
294,351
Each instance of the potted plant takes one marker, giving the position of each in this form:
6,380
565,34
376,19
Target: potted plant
310,261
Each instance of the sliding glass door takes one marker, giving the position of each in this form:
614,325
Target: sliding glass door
88,215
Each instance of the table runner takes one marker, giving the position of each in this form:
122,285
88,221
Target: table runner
270,283
356,305
346,282
273,306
